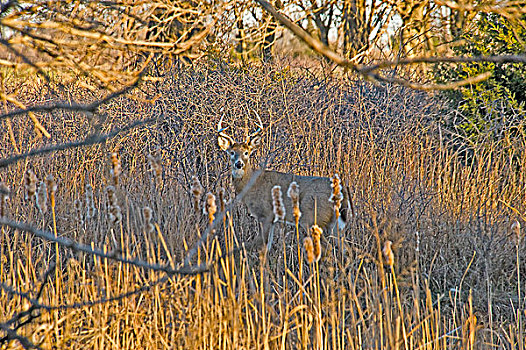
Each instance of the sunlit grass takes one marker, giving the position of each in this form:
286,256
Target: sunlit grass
454,277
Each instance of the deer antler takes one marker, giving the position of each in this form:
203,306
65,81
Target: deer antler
259,124
221,130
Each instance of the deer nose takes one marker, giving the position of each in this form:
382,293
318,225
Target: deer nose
239,164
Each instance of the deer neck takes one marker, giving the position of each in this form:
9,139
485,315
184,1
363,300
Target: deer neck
241,182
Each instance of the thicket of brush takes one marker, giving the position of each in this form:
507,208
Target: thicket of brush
457,278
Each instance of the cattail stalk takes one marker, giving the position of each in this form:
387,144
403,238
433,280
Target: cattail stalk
294,194
516,231
197,192
390,259
52,189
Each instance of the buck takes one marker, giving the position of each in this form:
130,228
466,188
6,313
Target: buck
315,192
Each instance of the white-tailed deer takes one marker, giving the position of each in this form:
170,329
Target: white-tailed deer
315,192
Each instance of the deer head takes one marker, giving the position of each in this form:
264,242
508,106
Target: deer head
239,152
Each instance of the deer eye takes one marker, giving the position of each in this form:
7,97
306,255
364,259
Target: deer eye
246,153
232,153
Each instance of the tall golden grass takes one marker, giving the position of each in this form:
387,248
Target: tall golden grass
454,274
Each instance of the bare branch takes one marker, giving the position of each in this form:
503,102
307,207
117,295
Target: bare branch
77,247
90,140
90,303
457,59
368,72
86,108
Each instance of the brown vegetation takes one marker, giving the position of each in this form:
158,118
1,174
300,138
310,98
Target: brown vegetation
455,273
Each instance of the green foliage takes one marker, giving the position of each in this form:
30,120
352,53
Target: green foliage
499,102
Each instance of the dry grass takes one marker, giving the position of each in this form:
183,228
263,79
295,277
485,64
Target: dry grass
457,267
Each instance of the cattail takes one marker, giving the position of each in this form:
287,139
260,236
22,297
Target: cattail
308,245
156,167
116,169
277,203
41,198
112,197
114,215
52,188
114,210
388,253
4,197
336,196
90,205
149,228
316,232
31,184
294,194
516,230
79,210
210,207
222,200
197,191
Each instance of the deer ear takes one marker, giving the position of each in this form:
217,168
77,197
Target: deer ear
224,142
255,141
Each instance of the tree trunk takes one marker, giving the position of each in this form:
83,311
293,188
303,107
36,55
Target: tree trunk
356,30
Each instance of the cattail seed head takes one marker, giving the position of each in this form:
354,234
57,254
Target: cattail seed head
388,253
197,192
516,231
316,233
41,198
114,210
308,245
277,204
336,196
116,168
52,188
79,211
31,184
294,194
90,205
222,200
4,197
210,207
114,215
156,167
112,197
147,212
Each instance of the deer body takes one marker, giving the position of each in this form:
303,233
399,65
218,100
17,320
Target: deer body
314,192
